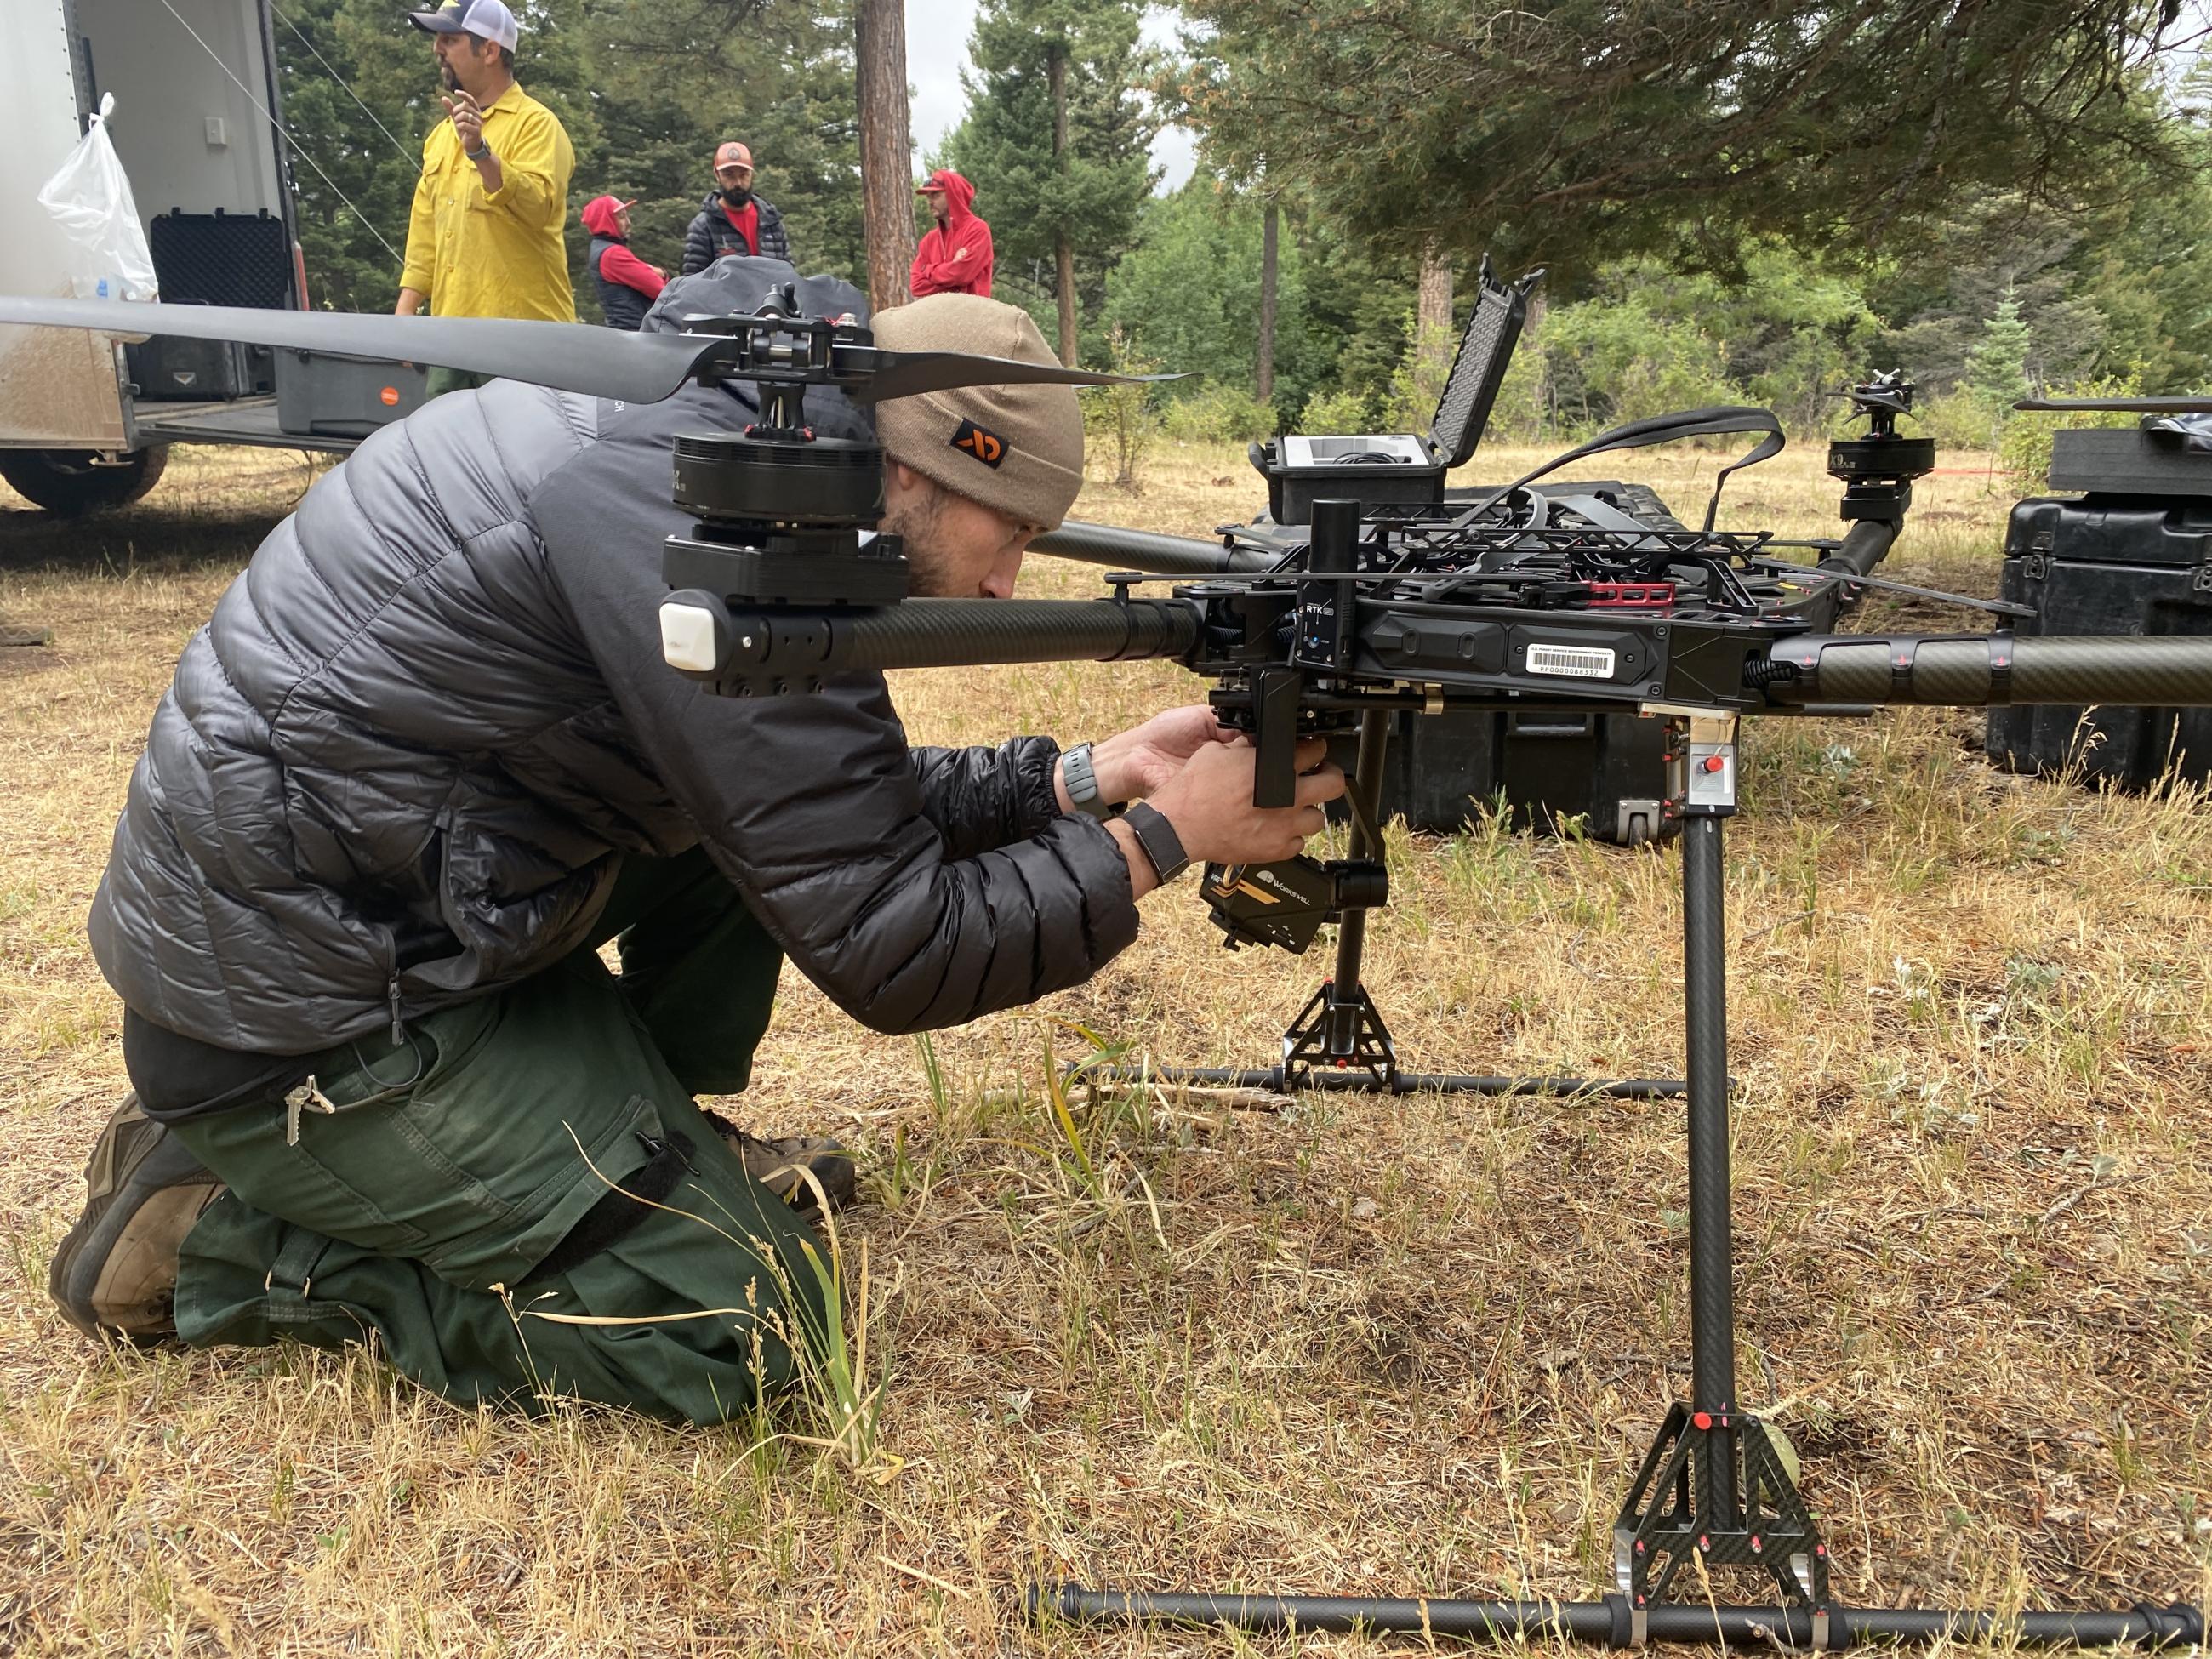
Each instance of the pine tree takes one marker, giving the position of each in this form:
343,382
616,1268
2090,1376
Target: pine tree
1192,293
1057,141
1573,131
1997,368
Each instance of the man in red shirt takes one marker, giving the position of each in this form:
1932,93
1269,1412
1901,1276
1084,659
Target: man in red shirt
955,257
733,219
627,286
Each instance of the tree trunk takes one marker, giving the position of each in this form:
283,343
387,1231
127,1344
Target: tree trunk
1264,379
886,148
1055,61
1433,315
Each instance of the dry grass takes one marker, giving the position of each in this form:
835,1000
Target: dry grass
1343,1346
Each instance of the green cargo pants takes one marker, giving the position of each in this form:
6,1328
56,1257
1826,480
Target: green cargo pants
456,1206
439,381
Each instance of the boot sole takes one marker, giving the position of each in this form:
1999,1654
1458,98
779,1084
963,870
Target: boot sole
137,1169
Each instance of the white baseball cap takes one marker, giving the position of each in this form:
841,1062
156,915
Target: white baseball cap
487,19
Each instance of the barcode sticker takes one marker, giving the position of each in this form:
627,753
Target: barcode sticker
1581,662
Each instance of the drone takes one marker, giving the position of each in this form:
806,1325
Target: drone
1370,606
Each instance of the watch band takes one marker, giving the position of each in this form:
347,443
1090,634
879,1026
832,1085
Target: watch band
1082,781
1159,839
479,153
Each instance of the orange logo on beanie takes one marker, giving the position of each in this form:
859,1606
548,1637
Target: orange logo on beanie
986,447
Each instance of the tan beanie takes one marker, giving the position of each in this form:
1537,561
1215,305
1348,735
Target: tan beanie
1016,449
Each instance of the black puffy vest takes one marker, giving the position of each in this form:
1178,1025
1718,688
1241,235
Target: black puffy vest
624,305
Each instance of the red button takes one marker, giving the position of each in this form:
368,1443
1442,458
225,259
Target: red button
1701,1419
1715,764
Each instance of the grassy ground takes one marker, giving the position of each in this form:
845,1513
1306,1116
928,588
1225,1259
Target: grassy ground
1341,1345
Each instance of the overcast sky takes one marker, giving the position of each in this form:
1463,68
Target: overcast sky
937,33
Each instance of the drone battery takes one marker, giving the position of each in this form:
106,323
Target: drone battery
319,395
2111,562
1604,774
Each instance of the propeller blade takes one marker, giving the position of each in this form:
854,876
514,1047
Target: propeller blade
907,373
2197,405
601,362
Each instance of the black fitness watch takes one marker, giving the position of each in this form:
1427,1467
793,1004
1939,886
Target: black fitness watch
1159,839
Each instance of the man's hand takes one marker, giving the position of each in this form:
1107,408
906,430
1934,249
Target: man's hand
1209,803
468,121
468,127
1140,761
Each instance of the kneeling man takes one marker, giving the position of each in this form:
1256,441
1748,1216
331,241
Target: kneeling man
426,760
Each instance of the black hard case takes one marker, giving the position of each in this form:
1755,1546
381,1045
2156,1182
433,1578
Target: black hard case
222,258
322,396
2117,561
167,369
1604,771
212,260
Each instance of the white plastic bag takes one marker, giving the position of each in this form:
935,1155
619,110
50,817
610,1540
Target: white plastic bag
90,195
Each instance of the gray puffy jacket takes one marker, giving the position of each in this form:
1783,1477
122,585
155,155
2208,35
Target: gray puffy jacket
402,764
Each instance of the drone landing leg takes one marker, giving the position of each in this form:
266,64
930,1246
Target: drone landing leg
1713,1488
1338,1041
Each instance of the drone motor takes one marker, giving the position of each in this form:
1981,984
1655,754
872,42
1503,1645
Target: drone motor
783,517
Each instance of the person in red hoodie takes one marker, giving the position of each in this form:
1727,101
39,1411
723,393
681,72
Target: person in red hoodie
955,257
627,286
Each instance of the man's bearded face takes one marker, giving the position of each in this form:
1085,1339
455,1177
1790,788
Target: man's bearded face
958,548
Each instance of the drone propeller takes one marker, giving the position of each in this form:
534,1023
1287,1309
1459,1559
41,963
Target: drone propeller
568,356
2197,405
600,363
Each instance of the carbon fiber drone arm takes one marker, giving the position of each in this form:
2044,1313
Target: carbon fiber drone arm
1989,670
1222,633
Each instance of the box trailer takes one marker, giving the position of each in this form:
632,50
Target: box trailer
86,422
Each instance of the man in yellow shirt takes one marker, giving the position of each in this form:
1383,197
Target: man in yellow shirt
485,236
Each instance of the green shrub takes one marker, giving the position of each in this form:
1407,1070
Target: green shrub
1417,382
1956,420
1339,411
1218,414
1609,363
1518,416
1120,420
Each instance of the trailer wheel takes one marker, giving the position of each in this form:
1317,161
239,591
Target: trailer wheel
67,481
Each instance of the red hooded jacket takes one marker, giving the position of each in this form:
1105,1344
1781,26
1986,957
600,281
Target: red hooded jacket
955,258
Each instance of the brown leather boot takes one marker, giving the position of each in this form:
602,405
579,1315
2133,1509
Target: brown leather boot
116,1272
775,1163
